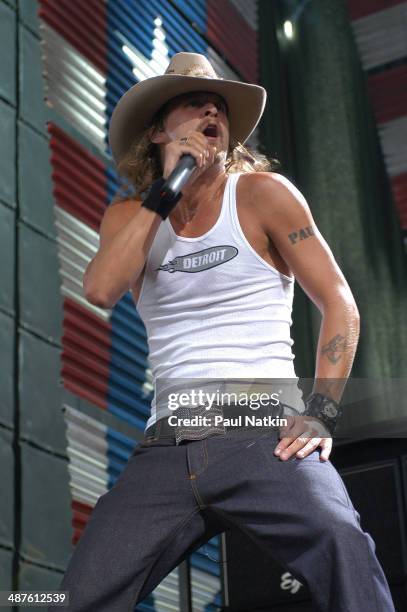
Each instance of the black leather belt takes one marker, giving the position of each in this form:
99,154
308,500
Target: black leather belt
237,417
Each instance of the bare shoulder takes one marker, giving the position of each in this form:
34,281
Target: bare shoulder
274,192
270,179
116,215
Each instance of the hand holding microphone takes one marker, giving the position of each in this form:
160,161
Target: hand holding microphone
185,159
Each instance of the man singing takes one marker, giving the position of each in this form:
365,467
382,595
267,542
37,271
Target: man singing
212,274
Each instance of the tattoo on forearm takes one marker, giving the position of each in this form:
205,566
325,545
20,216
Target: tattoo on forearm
334,348
301,234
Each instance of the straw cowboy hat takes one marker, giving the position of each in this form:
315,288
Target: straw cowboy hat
186,72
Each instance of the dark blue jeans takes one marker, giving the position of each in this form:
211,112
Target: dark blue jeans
169,500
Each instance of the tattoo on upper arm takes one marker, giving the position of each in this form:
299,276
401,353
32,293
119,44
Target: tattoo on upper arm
334,348
301,234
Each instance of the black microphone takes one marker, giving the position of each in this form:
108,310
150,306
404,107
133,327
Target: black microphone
178,177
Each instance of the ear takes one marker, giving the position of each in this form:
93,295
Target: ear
156,135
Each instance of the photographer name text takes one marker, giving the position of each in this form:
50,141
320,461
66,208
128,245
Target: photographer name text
239,421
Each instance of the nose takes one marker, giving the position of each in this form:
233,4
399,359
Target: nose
210,109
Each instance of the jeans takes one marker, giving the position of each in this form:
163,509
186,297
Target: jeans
169,500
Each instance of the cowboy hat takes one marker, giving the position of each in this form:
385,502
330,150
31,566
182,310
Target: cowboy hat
185,73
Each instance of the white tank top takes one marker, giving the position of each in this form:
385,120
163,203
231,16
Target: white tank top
213,308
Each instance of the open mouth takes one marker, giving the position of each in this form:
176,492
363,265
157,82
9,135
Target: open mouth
211,131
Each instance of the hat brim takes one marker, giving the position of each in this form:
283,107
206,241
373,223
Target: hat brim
138,105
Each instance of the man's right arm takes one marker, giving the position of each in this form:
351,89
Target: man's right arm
128,229
126,233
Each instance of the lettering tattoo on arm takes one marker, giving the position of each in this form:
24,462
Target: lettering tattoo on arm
334,348
301,234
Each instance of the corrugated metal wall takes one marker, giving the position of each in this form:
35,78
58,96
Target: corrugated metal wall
34,478
76,384
380,30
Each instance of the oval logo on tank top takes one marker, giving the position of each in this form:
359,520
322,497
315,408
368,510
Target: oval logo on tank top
201,260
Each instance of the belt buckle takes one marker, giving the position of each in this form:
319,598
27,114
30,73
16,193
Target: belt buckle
203,430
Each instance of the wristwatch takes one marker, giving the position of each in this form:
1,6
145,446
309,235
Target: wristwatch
323,408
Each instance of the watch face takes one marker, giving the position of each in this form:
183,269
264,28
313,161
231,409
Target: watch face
330,410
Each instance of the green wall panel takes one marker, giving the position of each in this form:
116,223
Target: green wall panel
45,495
7,263
36,578
7,153
41,418
41,302
7,346
28,10
7,487
7,49
6,570
35,186
32,107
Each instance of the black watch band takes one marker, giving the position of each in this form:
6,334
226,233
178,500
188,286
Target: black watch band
323,408
159,202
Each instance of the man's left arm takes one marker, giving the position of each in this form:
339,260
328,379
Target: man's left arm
289,223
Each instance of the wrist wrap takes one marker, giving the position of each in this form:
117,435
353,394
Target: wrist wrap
158,202
323,408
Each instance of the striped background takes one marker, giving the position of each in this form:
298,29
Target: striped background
92,53
380,31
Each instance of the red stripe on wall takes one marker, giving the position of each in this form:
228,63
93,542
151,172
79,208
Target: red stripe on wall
82,23
86,352
81,513
399,186
388,93
237,41
81,389
363,8
80,182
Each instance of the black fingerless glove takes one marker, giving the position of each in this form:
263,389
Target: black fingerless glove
159,202
323,408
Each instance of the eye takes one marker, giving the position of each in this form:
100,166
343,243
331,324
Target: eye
221,106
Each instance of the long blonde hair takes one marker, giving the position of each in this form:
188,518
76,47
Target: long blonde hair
141,165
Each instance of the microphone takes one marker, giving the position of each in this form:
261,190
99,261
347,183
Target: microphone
178,177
